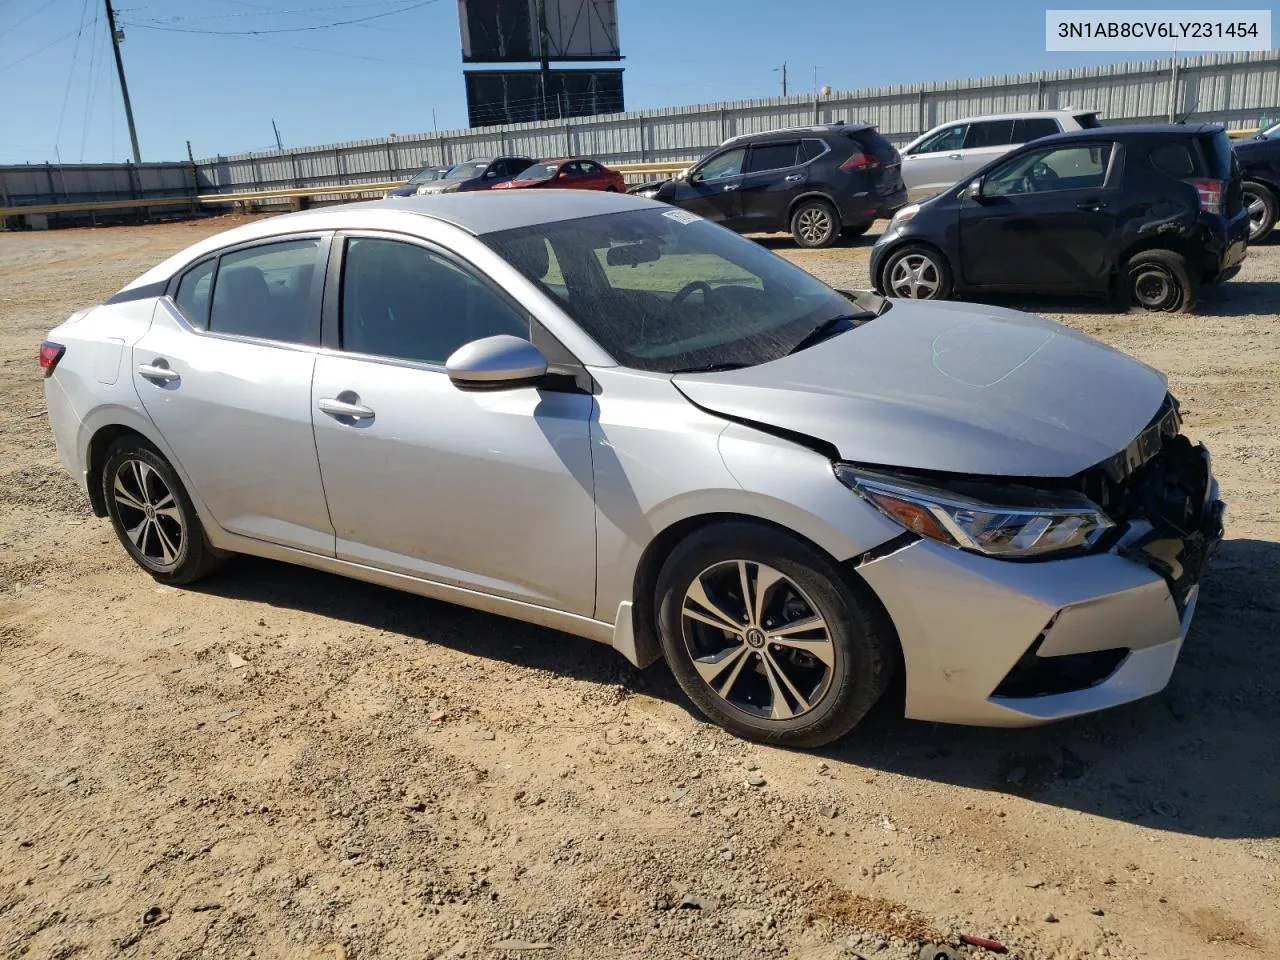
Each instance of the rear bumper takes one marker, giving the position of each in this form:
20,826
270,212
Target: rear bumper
866,206
1226,246
966,622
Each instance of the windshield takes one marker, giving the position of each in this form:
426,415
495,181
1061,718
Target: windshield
466,171
426,176
539,171
665,290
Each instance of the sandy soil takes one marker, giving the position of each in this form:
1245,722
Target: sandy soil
386,776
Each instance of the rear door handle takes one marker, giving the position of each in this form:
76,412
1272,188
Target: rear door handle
341,408
158,371
1091,205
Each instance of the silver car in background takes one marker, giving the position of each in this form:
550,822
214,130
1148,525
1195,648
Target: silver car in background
950,152
607,416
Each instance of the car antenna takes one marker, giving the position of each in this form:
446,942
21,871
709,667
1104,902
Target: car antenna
1195,106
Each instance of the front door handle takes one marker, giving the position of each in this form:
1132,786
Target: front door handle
730,186
955,156
159,371
342,408
1091,205
794,178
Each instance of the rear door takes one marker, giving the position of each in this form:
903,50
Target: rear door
225,374
591,176
1046,219
934,164
711,189
771,179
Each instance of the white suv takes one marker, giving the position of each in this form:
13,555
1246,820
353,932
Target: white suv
950,152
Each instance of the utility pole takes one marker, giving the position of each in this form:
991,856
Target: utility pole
276,130
116,37
784,77
544,64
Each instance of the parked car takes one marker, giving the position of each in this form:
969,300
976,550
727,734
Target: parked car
418,181
596,413
567,174
952,152
815,182
480,173
1259,159
1147,213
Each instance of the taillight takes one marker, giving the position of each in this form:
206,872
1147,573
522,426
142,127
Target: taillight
1210,192
50,354
860,161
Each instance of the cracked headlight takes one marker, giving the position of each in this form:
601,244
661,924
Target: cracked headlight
1005,521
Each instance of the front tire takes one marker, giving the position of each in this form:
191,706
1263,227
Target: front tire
1159,281
815,223
153,516
917,272
768,638
1260,200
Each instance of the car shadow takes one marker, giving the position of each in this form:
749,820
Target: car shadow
1235,298
1200,758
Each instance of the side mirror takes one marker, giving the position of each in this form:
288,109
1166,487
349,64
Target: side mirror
496,363
974,190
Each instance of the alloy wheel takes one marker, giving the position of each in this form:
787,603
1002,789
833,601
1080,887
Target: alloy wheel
1257,208
915,276
757,640
149,513
814,224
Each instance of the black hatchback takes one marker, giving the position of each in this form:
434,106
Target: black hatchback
815,182
1145,213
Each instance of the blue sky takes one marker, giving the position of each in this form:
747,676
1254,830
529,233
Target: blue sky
59,97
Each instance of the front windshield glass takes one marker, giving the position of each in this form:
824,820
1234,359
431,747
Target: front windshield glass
539,171
426,176
466,171
665,290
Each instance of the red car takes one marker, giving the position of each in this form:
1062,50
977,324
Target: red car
567,174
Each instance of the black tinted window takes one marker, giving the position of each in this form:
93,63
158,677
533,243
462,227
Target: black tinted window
589,167
401,300
265,292
1174,159
1088,121
193,293
1042,171
989,133
1217,153
1033,128
811,149
772,156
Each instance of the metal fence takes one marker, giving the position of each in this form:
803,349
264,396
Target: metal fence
1240,90
1236,89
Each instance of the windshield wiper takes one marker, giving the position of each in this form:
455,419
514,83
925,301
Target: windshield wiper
710,368
826,329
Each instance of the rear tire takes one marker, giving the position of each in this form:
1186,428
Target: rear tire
762,675
1260,200
1158,281
815,223
153,516
916,272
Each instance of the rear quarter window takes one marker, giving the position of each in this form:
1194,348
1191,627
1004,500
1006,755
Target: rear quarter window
1176,159
1033,128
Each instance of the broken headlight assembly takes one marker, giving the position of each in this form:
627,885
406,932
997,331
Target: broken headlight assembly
1006,521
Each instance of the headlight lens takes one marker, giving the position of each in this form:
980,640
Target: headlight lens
904,214
1010,522
651,193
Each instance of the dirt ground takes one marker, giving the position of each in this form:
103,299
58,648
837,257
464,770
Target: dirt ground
281,763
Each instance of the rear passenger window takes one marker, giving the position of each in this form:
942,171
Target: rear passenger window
1033,128
401,300
264,292
989,133
1174,159
193,293
811,150
772,156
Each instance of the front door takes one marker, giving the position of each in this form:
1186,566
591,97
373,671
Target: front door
1045,218
711,189
491,491
225,371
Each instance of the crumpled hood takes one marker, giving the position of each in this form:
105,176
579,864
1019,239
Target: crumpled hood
959,388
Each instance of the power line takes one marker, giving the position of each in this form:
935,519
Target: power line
14,63
71,72
318,26
39,10
260,11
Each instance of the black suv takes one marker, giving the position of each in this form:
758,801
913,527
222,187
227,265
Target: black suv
815,182
1143,213
1259,159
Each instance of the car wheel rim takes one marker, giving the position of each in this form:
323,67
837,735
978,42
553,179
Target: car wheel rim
916,277
1155,287
815,225
757,640
149,513
1257,208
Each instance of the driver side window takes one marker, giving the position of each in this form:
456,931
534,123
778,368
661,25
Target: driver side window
727,164
1042,171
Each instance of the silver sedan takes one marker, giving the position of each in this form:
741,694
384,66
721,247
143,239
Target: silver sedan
603,415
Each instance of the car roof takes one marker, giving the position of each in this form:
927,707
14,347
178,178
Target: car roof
1132,130
783,133
1019,115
